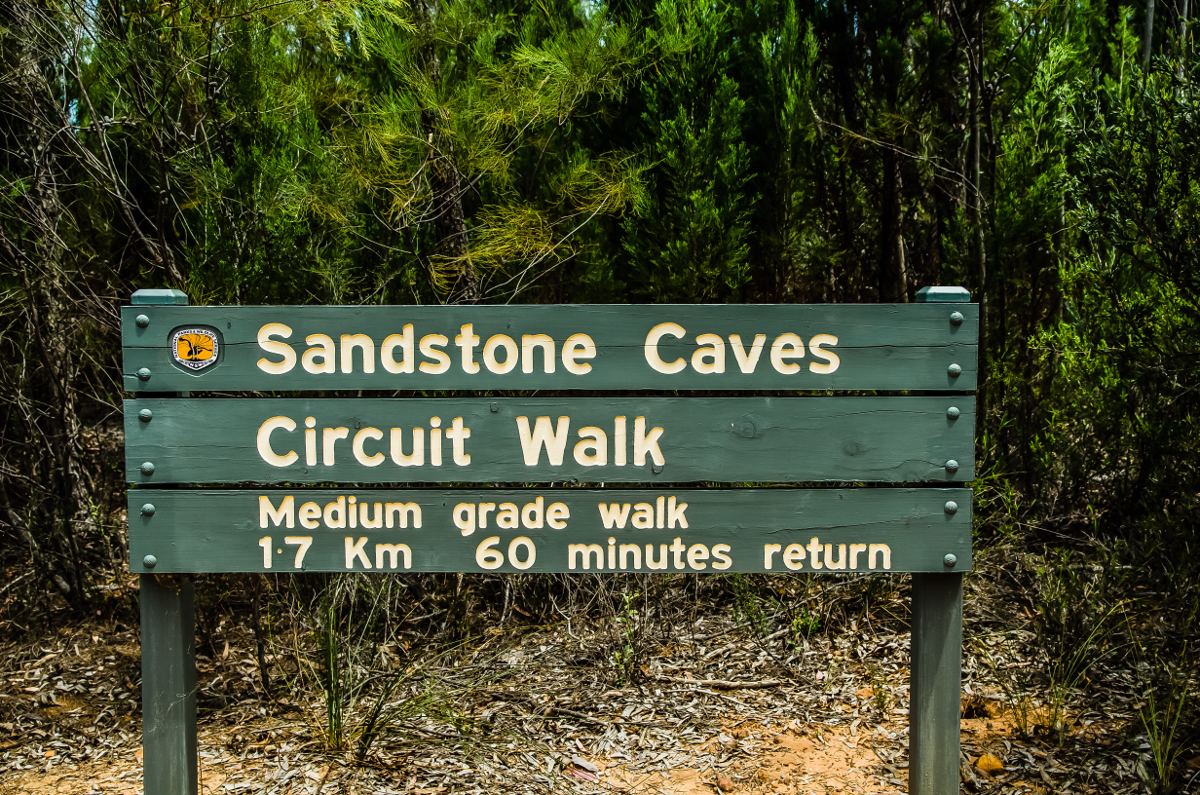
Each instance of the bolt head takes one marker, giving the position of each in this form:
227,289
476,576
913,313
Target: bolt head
952,466
148,509
493,407
956,318
951,507
143,374
149,561
953,413
147,467
955,370
145,415
656,468
142,321
950,561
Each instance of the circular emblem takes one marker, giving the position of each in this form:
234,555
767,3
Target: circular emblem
195,348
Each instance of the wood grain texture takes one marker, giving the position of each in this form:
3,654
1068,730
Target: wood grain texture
726,440
221,531
880,346
168,685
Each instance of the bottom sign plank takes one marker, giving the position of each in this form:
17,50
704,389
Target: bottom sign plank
560,530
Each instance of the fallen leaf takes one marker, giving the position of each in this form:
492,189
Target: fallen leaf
989,763
724,783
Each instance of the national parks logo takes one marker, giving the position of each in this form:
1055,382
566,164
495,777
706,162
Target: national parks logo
195,348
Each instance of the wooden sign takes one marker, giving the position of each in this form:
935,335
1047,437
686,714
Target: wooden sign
661,347
219,483
525,440
551,530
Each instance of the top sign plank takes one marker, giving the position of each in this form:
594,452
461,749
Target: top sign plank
804,347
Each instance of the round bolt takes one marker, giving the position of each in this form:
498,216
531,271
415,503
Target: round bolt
656,468
950,560
951,466
955,370
147,467
145,415
142,321
956,318
149,561
952,413
951,507
148,509
493,407
143,374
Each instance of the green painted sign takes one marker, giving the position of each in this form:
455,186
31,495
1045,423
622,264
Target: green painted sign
525,440
551,530
370,460
651,347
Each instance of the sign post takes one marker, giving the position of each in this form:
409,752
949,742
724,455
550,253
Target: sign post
610,465
935,683
168,655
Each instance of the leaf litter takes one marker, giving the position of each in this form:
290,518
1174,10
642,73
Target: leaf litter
714,706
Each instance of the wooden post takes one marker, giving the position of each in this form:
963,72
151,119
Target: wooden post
935,681
168,659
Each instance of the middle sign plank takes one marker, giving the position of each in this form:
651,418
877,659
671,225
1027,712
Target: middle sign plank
587,440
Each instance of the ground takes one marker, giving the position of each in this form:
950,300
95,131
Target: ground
708,702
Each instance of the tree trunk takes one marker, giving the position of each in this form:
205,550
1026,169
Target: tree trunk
1148,35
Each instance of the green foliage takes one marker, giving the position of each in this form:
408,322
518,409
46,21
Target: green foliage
694,246
1168,701
629,653
1074,619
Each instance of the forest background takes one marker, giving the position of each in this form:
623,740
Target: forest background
1046,155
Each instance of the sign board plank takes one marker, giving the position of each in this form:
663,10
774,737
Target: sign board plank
551,530
526,440
915,347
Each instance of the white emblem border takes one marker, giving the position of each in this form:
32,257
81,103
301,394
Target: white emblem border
195,366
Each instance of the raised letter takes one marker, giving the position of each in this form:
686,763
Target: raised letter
787,346
644,443
403,341
320,347
554,442
265,452
356,551
830,360
531,342
592,448
747,362
431,348
709,356
651,348
282,349
284,515
578,346
374,459
364,344
466,339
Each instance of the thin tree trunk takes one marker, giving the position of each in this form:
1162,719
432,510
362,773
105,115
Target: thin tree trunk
1148,35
